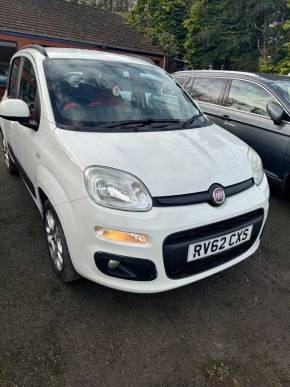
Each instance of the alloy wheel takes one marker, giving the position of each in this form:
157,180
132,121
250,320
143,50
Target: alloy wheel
6,153
55,243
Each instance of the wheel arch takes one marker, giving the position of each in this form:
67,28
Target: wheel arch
49,188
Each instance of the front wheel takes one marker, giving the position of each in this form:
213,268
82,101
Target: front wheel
10,166
57,246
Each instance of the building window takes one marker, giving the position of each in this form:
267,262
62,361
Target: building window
7,50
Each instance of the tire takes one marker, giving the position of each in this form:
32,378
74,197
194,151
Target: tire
10,166
57,246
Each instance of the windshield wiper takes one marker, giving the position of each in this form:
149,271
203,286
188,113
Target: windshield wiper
141,123
189,122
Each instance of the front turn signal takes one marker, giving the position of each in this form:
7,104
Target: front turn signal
121,236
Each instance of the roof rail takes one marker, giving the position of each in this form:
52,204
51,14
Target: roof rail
37,47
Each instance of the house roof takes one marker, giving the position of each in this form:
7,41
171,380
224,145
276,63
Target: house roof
79,23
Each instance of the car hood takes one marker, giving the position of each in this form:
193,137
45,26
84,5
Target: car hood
168,162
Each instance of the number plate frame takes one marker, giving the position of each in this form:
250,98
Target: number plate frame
217,245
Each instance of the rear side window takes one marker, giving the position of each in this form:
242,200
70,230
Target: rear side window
208,89
182,80
13,83
249,97
28,91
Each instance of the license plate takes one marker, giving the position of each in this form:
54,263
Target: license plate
219,244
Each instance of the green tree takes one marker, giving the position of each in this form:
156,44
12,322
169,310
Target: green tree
267,19
162,21
218,35
234,34
283,56
246,35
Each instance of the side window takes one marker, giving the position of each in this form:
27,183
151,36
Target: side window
28,91
208,89
189,85
248,97
13,81
182,81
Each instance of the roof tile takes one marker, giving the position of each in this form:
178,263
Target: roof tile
60,19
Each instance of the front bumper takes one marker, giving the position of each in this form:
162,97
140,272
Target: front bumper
79,219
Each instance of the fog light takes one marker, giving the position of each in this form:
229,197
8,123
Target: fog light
127,268
112,264
121,236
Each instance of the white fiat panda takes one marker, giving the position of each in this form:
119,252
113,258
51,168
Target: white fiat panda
137,189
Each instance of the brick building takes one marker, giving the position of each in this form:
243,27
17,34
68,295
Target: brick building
61,24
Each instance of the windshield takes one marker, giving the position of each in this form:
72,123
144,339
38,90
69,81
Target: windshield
283,87
92,93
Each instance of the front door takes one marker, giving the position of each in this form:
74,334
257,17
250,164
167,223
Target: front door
12,92
244,114
25,136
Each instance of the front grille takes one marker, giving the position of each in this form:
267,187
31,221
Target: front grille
175,246
200,197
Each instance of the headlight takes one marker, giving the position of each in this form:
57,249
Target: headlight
116,189
257,166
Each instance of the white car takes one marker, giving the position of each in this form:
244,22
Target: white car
137,189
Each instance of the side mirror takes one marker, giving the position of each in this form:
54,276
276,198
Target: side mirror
14,110
276,112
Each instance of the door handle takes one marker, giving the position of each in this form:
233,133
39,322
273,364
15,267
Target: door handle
226,117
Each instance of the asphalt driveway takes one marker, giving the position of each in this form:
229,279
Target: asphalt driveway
232,329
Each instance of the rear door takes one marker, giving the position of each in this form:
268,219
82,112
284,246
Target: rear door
244,114
208,93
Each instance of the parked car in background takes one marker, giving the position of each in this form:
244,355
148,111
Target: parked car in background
3,78
3,75
137,189
254,107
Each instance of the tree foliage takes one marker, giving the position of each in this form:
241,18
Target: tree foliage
244,35
283,53
162,21
218,36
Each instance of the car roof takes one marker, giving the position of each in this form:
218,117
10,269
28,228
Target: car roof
77,53
261,77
